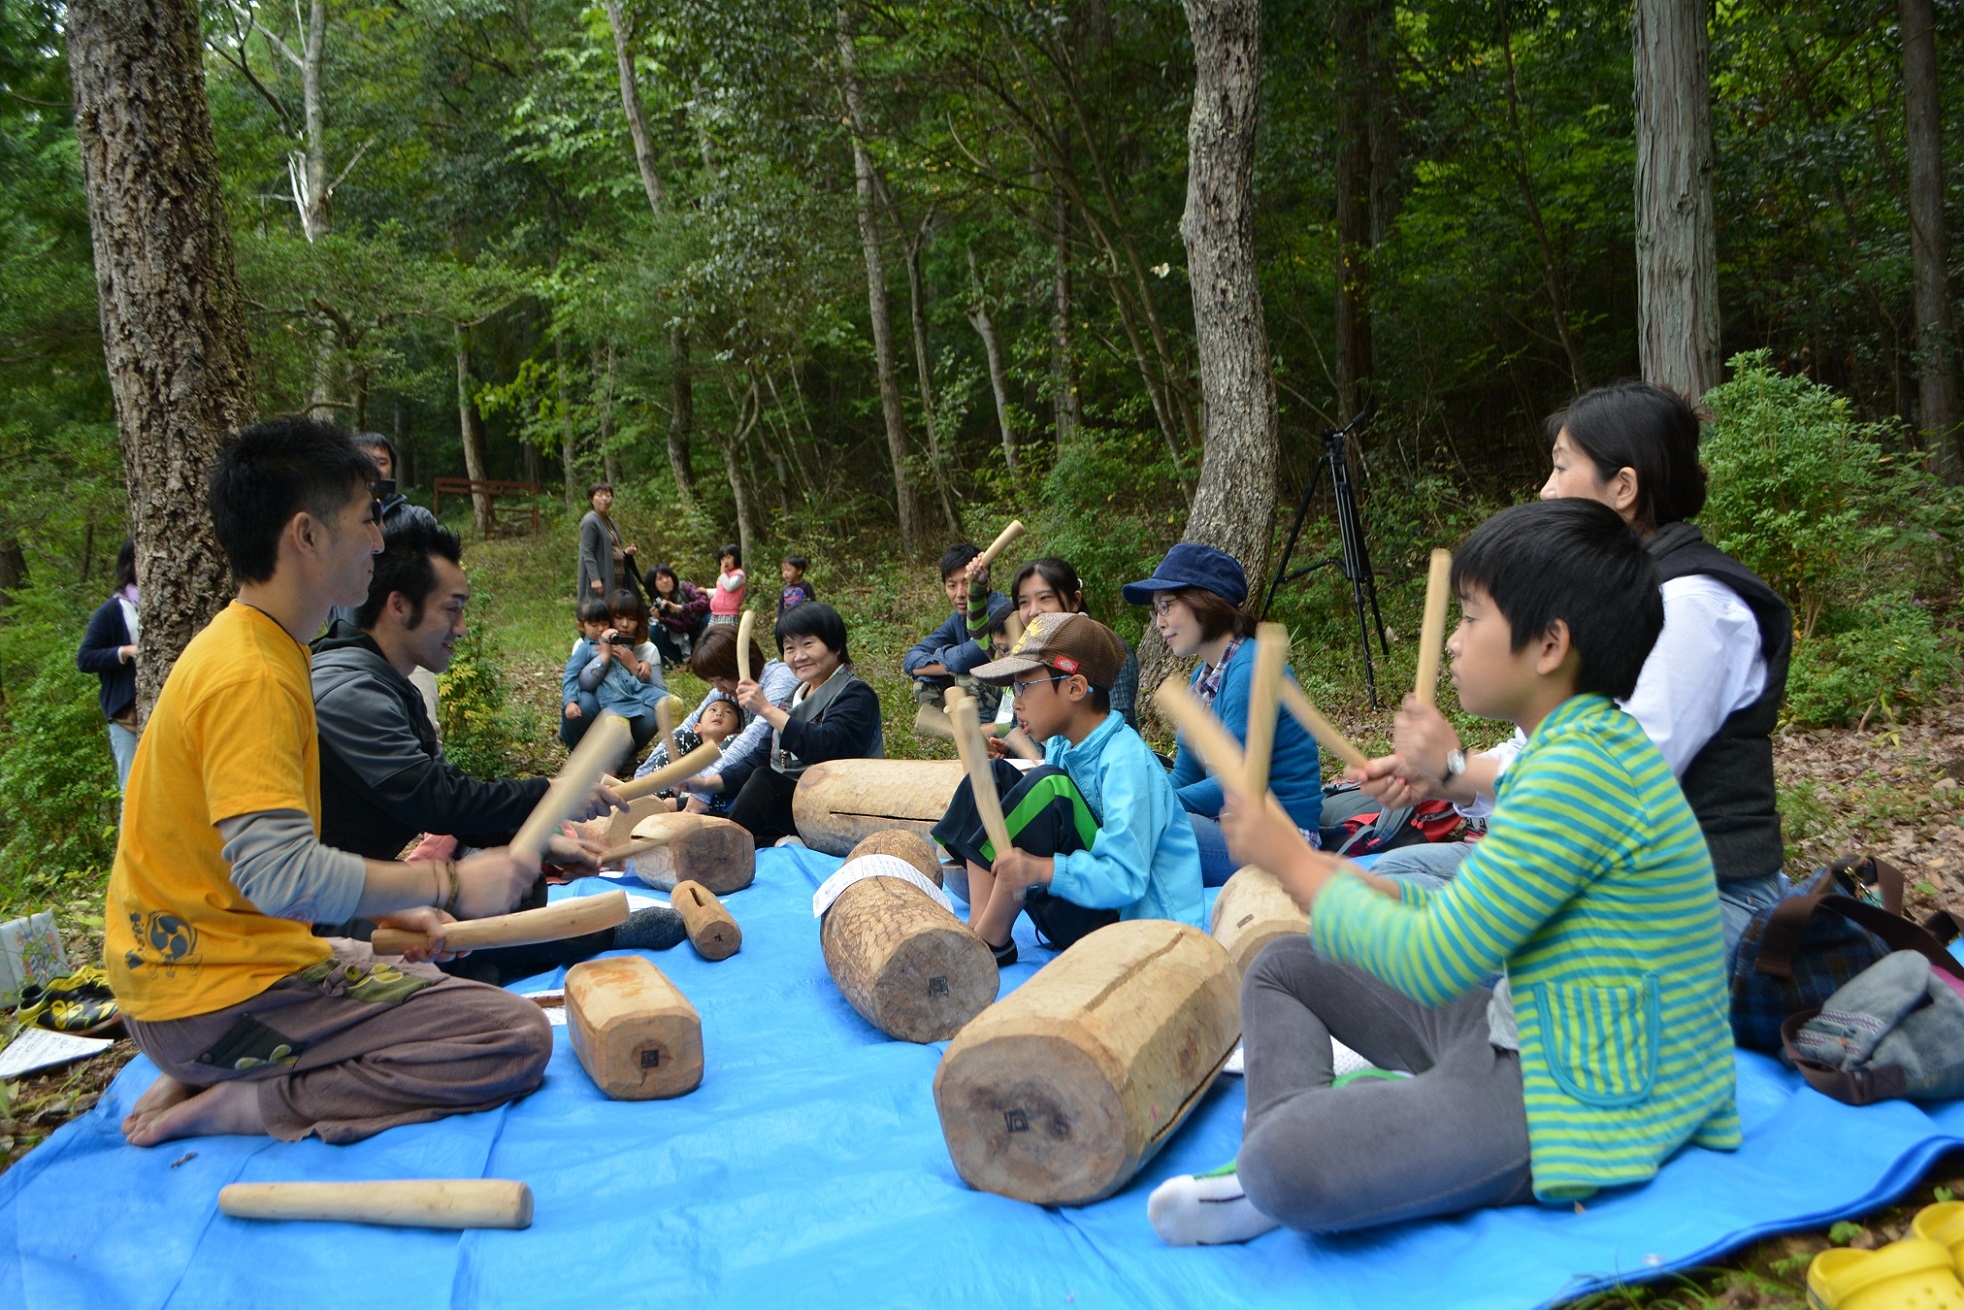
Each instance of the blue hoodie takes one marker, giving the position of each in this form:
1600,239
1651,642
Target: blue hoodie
1143,862
1294,772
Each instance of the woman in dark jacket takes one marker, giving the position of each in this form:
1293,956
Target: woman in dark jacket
109,651
833,716
680,611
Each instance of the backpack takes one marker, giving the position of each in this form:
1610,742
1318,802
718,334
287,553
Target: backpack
1797,952
1894,1030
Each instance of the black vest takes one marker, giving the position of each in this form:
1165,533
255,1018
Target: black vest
1730,782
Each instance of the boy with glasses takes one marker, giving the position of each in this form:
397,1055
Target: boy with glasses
1096,833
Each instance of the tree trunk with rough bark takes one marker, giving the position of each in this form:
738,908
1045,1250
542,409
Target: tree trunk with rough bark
985,327
173,318
476,468
1234,502
568,435
1354,196
906,508
1066,405
917,311
1677,235
1936,329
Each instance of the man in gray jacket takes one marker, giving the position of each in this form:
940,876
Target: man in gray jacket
384,778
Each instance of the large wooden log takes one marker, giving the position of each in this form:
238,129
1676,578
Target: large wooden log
840,803
636,1035
908,966
1060,1092
672,848
901,844
1252,911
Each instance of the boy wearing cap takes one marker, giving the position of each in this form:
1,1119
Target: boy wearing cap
1096,833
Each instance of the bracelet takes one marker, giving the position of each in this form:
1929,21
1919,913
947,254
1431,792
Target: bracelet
436,873
456,886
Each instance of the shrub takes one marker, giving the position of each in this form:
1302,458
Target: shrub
484,733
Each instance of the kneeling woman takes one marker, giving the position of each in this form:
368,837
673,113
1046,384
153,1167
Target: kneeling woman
833,716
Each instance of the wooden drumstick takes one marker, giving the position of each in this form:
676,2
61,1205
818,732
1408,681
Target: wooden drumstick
1019,741
1298,703
665,712
1264,691
1432,630
406,1202
981,778
1001,543
745,626
688,766
602,747
1208,736
711,928
550,923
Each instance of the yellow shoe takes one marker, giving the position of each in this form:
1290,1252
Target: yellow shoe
1913,1274
1943,1223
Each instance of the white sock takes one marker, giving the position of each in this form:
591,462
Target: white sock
1207,1209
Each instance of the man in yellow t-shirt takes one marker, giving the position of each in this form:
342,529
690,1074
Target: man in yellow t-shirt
257,1025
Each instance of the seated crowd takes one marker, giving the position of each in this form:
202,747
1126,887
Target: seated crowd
1629,827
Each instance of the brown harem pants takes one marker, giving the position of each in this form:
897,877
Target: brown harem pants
356,1045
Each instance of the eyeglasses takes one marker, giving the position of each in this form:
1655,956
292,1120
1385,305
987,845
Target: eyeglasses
1016,689
374,514
1162,605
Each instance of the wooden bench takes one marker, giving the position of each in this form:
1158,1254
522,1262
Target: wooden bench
491,489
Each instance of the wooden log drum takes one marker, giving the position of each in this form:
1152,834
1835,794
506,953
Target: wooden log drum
905,964
840,803
1252,911
1060,1092
672,848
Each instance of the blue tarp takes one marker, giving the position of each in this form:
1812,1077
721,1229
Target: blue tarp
809,1169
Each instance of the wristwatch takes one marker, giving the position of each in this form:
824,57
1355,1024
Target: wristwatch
1455,764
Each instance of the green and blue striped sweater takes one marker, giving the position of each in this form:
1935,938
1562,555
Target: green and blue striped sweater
1593,890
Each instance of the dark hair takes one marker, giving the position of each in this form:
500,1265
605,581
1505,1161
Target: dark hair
376,441
814,618
1575,560
595,488
733,551
125,564
594,610
626,600
798,562
404,566
956,557
1002,619
1215,614
1063,580
664,571
1648,429
715,654
267,472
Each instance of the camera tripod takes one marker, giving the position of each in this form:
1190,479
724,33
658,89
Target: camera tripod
1351,558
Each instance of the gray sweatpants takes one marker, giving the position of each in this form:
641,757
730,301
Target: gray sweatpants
420,1046
1452,1137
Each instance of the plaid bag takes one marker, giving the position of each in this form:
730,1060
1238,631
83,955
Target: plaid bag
1800,950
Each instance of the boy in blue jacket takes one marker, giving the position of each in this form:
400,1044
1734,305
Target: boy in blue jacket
1096,832
580,706
950,654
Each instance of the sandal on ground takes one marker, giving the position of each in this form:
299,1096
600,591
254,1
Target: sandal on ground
1942,1223
1913,1274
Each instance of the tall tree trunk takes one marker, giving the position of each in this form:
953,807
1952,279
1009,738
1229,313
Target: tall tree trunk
917,312
1066,405
173,319
747,408
1936,331
905,506
471,430
978,317
603,411
568,435
637,122
1677,235
1355,113
681,415
1234,502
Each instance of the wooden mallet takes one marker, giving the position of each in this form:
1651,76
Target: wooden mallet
406,1202
605,742
1432,630
981,778
1019,741
1297,702
675,770
550,923
745,626
1264,691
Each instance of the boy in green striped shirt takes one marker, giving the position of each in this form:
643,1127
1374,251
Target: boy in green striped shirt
1601,1047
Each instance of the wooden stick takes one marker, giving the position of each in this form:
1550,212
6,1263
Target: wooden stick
1271,653
599,750
745,626
1208,736
1432,630
1001,543
674,771
407,1202
712,930
627,850
665,723
1298,703
981,778
1019,741
568,918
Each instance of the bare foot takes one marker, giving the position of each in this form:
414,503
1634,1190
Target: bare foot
225,1108
158,1096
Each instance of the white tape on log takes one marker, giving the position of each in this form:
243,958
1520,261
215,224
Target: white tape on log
874,866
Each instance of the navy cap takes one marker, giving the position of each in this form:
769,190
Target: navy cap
1191,564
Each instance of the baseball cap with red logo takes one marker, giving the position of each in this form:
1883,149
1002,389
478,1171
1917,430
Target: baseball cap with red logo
1068,643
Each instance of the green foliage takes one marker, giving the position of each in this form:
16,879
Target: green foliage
485,732
1860,541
